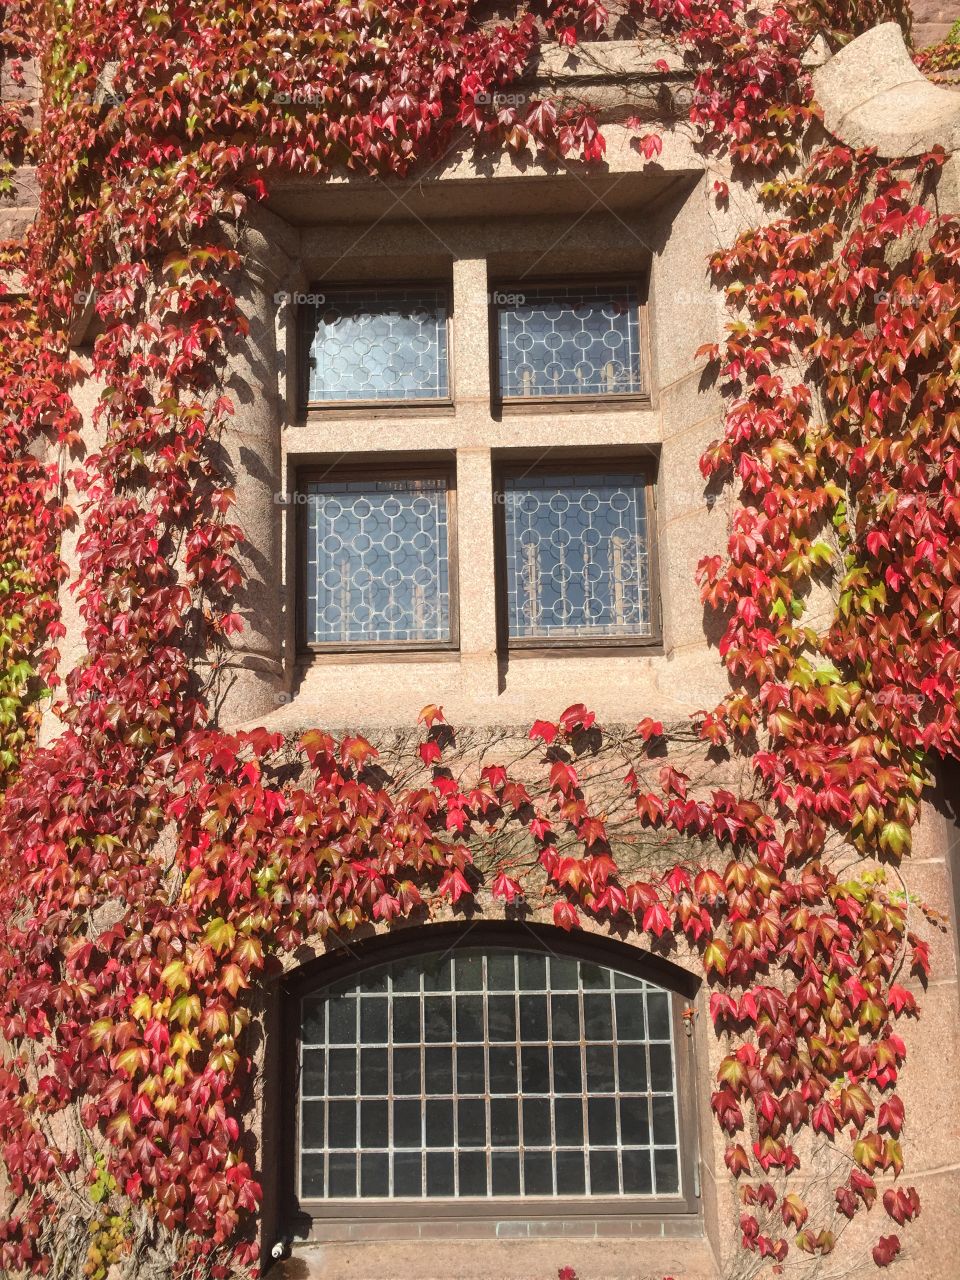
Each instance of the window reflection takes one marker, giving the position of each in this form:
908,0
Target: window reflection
371,345
568,341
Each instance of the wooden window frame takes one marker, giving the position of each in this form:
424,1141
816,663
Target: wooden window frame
371,408
305,1220
641,399
563,646
378,468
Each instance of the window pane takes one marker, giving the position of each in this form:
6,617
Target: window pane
373,1122
566,1017
440,1173
343,1071
503,1069
314,1072
501,971
504,1125
634,1120
343,1124
666,1168
571,1177
407,1173
375,1173
501,1016
472,1123
637,1176
578,340
406,1071
537,1173
377,567
600,1068
602,1122
536,1122
439,1122
569,1121
407,1123
535,1068
312,1130
343,1173
406,1020
630,1023
312,1176
370,344
473,1173
506,1173
373,1019
533,1017
438,1019
577,556
604,1175
438,1066
471,1073
420,1080
342,1021
567,1076
373,1071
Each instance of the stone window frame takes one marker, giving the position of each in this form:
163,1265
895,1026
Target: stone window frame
380,466
442,405
491,1218
508,406
508,462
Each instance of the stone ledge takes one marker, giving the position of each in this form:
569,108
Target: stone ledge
608,60
872,95
636,1259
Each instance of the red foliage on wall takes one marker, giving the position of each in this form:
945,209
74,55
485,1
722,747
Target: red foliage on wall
152,867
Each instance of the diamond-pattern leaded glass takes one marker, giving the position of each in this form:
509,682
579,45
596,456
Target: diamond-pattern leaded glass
577,556
377,568
488,1073
371,345
569,341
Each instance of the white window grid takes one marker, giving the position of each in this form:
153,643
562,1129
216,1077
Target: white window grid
368,1161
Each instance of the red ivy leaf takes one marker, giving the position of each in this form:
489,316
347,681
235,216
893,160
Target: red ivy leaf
545,730
885,1250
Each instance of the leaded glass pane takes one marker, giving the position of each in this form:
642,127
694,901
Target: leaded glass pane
577,556
443,1076
375,345
576,340
377,567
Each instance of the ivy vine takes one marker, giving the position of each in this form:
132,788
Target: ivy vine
154,868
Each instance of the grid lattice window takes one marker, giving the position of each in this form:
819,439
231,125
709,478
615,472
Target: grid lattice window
377,567
578,562
369,345
575,340
488,1073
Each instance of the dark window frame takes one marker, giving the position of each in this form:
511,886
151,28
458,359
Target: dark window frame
514,463
374,407
378,468
641,399
306,1219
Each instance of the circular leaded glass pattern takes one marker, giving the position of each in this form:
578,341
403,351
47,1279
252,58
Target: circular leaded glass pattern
571,340
377,569
371,345
488,1073
577,555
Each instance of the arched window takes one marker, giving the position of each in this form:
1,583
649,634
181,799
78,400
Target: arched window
491,1068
